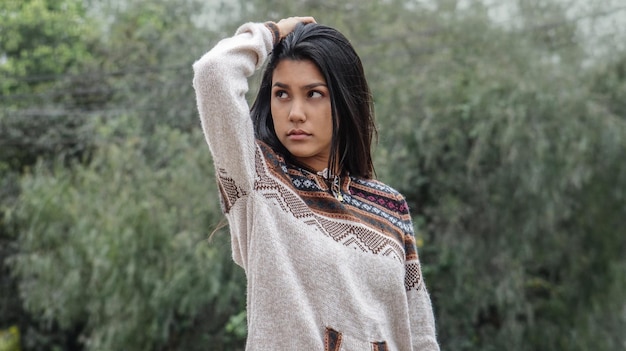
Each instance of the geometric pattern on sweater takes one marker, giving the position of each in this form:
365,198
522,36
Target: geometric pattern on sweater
379,204
362,238
370,201
379,346
369,218
333,341
413,277
229,191
343,232
332,222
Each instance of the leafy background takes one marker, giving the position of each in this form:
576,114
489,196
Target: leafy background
503,123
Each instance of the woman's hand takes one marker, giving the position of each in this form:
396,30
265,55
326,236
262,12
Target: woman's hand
287,25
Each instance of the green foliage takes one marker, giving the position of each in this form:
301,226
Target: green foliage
150,46
45,46
39,39
609,85
10,339
118,247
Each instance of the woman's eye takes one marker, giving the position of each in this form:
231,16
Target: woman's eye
315,94
281,94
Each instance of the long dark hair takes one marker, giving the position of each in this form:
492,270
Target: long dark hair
350,96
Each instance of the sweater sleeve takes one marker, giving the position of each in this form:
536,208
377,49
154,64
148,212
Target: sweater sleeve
422,320
221,83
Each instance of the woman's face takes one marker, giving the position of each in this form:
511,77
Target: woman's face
300,106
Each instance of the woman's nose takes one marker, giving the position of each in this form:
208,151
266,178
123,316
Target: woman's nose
296,113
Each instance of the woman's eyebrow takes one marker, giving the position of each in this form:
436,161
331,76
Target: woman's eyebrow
306,87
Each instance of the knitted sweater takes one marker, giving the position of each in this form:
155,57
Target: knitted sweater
323,272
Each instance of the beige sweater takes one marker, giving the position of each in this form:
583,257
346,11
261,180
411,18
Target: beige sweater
322,273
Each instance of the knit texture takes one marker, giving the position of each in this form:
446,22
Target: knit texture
325,270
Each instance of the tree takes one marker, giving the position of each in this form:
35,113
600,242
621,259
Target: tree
147,56
44,46
116,251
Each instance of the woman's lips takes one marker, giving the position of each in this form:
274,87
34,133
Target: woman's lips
297,134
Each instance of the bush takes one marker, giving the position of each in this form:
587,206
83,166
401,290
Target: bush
118,248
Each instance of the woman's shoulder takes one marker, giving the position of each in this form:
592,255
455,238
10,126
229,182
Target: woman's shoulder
379,194
378,186
270,152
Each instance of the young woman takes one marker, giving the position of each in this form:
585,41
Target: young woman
329,253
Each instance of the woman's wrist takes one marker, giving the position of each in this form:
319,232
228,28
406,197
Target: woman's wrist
275,31
286,26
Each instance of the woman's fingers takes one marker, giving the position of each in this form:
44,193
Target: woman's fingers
287,25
